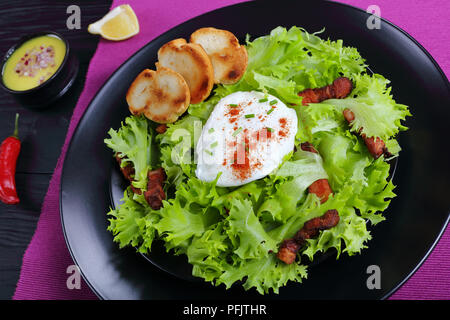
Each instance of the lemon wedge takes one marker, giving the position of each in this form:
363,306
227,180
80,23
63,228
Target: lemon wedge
119,24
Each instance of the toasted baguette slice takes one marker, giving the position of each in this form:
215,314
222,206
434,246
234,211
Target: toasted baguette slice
228,57
162,95
192,62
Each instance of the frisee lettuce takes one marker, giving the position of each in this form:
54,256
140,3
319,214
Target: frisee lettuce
231,235
376,113
133,144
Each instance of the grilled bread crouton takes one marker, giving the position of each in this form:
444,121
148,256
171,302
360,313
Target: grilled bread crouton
228,57
192,62
162,95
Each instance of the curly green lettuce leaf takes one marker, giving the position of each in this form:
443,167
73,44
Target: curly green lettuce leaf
351,234
393,147
292,179
174,170
375,195
177,146
360,202
214,260
246,232
207,252
188,127
133,143
344,158
132,224
348,163
309,209
203,109
199,192
263,274
187,215
364,196
288,61
252,191
376,112
315,118
178,224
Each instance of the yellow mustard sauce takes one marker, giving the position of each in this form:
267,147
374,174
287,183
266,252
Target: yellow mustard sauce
34,62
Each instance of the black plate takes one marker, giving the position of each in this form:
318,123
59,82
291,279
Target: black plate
415,219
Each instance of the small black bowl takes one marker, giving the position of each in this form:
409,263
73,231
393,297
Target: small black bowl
54,87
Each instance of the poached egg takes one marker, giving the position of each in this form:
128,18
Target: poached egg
245,138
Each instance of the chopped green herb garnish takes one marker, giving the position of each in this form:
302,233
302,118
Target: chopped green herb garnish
214,144
251,115
263,100
233,105
270,111
211,130
237,132
269,129
273,102
209,152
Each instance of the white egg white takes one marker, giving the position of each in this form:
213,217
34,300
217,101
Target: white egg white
245,138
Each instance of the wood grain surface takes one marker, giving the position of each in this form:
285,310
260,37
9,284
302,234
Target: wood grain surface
42,132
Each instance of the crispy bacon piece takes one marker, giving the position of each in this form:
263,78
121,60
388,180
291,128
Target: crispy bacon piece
155,193
127,171
319,187
348,115
289,247
376,146
339,89
312,227
288,250
161,128
307,146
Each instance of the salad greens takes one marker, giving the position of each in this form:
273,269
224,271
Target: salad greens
232,235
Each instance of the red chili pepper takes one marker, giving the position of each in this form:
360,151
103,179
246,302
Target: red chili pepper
9,151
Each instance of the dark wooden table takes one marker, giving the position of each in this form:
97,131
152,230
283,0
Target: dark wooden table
42,132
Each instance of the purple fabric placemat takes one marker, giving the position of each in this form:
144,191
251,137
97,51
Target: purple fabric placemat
46,261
